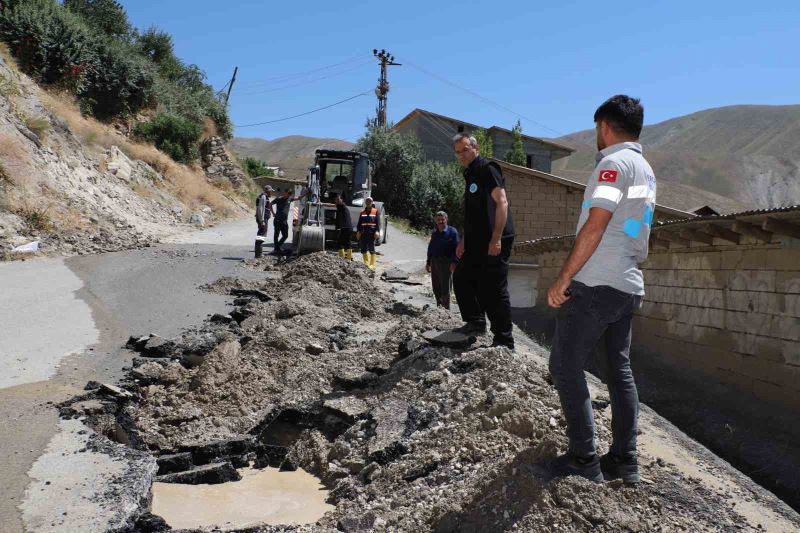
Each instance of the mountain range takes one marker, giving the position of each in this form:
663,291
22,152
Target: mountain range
748,153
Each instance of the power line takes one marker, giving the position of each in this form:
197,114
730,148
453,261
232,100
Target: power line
479,97
306,82
285,77
303,114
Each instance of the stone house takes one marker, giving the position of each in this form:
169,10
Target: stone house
436,133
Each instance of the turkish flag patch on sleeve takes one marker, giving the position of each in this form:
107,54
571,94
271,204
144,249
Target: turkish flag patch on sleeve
609,176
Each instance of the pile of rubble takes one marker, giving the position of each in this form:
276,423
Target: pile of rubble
322,369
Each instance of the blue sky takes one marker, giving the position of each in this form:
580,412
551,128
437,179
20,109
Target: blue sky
552,63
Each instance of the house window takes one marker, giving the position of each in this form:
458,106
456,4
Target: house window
528,160
460,128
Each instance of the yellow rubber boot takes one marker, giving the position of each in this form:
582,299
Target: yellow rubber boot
349,253
372,259
341,253
365,257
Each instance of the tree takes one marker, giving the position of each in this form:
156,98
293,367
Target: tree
393,156
108,16
484,142
516,155
256,168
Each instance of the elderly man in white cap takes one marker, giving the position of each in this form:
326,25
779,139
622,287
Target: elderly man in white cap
367,232
263,214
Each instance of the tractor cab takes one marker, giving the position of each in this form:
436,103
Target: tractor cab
335,173
346,173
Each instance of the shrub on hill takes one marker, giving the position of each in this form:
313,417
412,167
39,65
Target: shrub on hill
89,48
172,134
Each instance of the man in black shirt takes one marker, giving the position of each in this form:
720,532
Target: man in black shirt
481,277
281,222
344,223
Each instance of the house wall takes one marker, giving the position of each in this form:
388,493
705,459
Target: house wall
540,153
435,135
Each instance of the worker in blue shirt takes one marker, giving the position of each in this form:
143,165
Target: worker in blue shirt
442,258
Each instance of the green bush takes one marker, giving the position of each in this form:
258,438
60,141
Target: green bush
173,135
435,187
122,83
256,168
108,16
90,48
50,43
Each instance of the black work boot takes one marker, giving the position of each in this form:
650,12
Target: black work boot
498,343
616,467
570,464
471,328
259,248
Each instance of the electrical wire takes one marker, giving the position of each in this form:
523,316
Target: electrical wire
479,96
305,113
286,77
305,82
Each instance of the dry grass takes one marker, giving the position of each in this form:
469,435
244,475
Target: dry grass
209,129
14,161
38,125
188,184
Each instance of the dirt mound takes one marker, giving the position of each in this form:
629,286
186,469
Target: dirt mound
321,369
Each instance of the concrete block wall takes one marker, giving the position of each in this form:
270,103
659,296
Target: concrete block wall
728,313
541,208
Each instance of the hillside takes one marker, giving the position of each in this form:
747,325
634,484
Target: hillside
294,152
78,186
748,153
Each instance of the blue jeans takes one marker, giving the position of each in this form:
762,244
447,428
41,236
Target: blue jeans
589,314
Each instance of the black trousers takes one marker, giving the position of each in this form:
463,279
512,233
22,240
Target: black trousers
590,316
281,233
441,280
345,236
481,285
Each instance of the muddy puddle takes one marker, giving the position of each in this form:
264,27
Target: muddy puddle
267,496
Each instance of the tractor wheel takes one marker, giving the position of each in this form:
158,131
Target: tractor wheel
312,239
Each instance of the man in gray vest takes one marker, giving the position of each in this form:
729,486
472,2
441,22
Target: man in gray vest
597,291
262,217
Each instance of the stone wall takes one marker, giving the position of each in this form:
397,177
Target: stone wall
218,164
729,313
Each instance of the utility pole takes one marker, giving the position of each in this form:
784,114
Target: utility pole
230,85
382,90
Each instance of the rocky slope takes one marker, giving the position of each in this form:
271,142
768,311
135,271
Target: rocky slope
78,186
748,152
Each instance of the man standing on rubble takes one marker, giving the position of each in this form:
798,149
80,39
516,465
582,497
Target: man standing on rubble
597,291
281,224
481,277
442,258
262,217
344,223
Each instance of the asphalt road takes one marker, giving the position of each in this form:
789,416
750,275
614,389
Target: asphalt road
64,322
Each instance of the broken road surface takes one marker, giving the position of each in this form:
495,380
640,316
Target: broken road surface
328,373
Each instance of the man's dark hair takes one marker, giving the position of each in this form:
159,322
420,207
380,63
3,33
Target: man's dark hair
623,113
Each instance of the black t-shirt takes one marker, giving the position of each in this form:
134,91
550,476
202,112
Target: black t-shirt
343,219
481,177
281,208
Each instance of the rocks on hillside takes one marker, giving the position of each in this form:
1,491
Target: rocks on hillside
218,165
